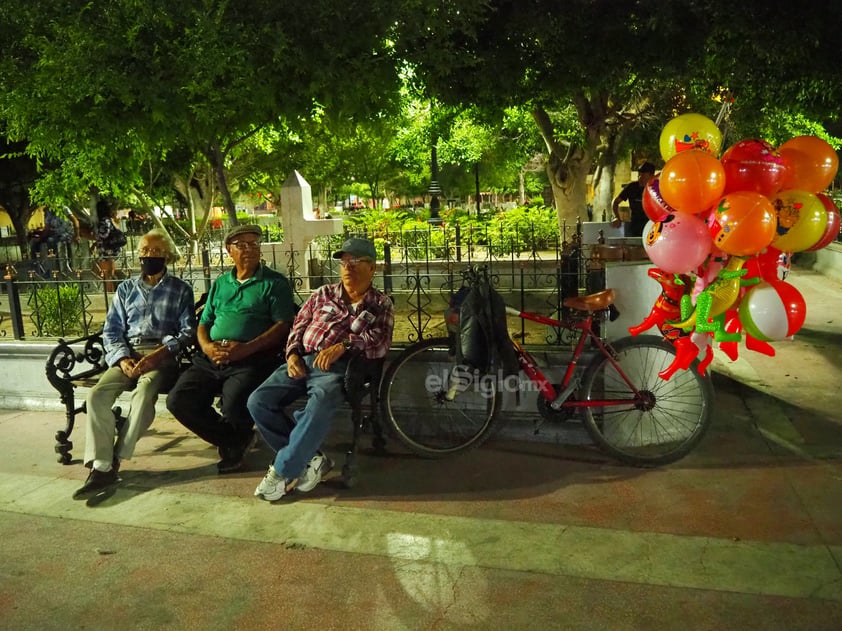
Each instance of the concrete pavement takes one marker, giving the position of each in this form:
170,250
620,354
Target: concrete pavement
744,533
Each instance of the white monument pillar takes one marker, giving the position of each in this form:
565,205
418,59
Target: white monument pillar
300,226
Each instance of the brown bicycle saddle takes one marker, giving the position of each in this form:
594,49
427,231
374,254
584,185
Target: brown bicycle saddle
591,302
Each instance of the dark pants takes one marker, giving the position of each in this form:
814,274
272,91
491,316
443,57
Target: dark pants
191,399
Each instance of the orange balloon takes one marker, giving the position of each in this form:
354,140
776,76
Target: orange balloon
802,220
811,163
743,223
692,181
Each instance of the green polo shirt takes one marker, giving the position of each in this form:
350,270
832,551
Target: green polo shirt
241,311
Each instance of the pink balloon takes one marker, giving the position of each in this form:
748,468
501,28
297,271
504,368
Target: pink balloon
678,244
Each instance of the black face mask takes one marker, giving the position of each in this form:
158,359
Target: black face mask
151,265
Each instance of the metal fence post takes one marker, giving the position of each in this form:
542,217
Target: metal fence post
14,305
387,268
206,268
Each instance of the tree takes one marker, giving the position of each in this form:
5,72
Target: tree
18,173
616,70
106,89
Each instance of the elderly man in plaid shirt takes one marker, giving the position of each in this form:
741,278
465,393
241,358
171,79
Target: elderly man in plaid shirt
336,322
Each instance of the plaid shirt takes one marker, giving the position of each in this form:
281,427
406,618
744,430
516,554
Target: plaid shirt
163,314
325,320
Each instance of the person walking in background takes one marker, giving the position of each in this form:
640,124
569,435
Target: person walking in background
335,323
633,194
108,240
241,333
151,320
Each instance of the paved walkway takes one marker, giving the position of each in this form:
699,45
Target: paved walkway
744,533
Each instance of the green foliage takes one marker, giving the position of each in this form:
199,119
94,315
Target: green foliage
378,223
58,310
503,233
512,231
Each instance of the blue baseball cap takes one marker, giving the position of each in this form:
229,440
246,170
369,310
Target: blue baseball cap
362,248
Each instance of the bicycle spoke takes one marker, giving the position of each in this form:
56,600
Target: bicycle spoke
667,421
428,415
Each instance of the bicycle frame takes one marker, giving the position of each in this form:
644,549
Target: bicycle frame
560,398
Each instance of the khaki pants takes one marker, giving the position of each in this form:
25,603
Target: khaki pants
101,424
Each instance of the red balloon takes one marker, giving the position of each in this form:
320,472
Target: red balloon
833,221
753,165
770,265
811,163
772,311
653,204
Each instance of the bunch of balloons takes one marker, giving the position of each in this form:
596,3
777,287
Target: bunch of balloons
723,230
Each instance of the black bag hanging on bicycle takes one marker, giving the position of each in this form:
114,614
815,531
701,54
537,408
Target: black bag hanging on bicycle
483,338
473,344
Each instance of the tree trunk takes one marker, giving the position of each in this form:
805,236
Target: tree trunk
569,165
567,171
604,192
20,218
217,162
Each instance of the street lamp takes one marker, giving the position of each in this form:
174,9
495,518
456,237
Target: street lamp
434,190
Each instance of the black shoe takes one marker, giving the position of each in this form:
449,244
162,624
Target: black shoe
231,458
97,480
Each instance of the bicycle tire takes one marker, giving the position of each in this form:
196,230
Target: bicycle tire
417,411
666,428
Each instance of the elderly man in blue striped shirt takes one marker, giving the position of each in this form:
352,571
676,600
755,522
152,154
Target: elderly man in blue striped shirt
151,320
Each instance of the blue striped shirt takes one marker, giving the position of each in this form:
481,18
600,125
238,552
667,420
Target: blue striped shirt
163,314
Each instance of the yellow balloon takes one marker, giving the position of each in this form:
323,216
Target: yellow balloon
690,131
802,219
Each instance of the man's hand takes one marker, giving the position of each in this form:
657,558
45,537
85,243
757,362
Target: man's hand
152,361
296,369
326,356
220,352
127,365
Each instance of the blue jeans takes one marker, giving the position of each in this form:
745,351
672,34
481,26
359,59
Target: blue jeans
296,440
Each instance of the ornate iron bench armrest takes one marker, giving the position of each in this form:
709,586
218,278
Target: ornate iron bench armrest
72,363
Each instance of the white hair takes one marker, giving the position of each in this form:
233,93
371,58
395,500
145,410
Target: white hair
173,254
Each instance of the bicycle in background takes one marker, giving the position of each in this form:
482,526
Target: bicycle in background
437,406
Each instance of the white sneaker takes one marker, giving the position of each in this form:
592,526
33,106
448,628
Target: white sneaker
273,487
318,466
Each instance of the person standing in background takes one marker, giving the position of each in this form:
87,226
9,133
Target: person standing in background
633,194
108,240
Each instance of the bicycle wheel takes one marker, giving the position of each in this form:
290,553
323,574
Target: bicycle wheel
420,407
670,421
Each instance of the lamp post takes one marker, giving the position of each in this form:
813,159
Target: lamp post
434,190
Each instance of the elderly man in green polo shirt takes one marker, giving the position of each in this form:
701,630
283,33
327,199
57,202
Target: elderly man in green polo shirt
241,332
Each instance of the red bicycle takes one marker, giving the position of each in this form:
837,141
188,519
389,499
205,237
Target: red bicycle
438,407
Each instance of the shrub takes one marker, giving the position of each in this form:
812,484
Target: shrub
58,310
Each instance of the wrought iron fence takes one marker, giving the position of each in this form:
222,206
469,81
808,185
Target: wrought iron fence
420,269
